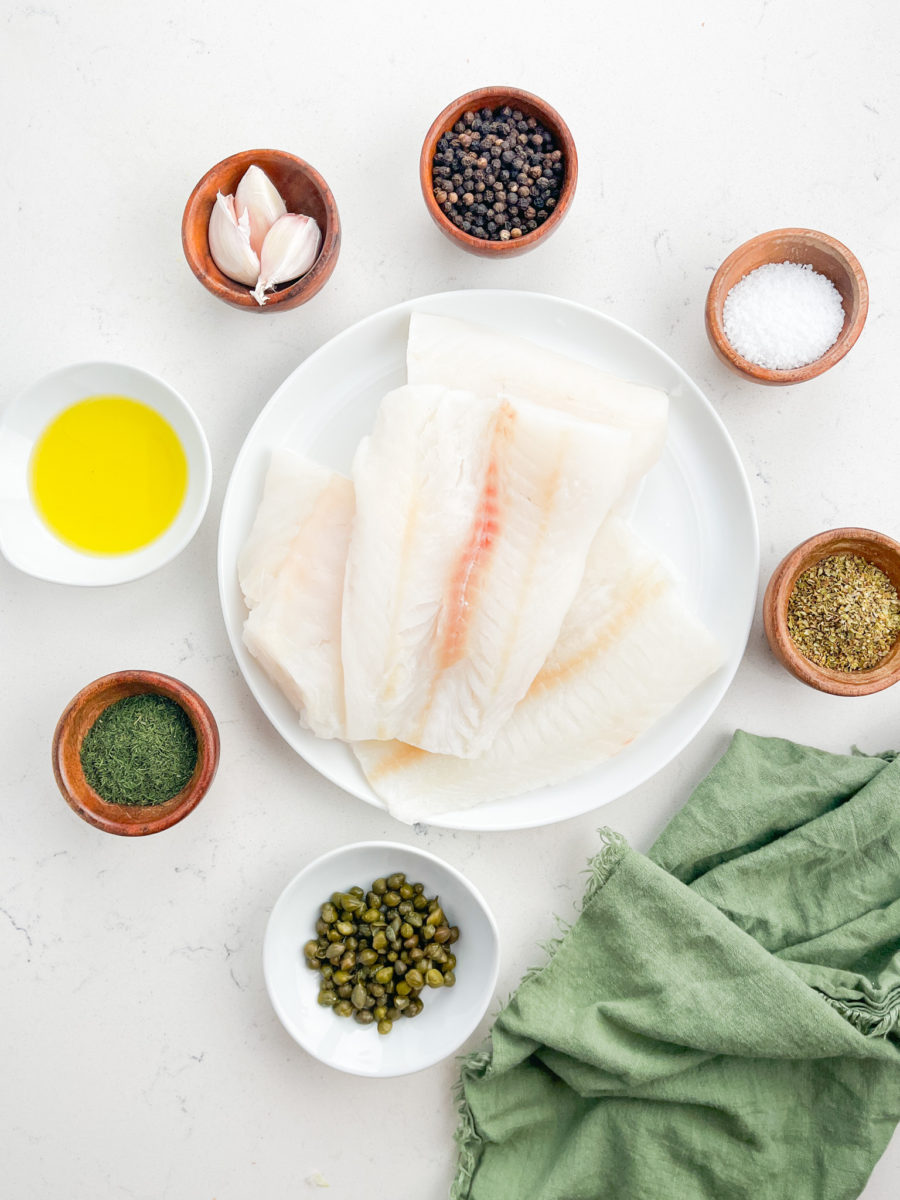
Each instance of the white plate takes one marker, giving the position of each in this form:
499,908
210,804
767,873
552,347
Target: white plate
448,1018
26,541
695,507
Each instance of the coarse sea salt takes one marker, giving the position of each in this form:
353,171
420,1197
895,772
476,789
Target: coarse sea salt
783,315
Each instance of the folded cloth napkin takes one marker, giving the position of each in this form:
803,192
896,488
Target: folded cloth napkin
721,1021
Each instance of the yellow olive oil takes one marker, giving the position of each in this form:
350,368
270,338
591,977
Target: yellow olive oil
108,475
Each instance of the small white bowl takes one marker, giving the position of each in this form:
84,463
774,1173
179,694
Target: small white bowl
449,1016
26,541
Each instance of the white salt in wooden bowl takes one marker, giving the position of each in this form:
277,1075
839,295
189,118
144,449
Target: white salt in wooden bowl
803,246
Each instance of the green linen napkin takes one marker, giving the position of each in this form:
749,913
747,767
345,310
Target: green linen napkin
721,1021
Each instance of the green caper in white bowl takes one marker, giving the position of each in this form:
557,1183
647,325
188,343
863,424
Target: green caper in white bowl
378,950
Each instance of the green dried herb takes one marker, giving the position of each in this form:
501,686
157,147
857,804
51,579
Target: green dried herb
140,751
844,613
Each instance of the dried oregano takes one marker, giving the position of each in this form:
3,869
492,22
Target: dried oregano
844,613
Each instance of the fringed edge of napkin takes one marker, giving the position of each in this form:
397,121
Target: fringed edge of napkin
871,1019
477,1064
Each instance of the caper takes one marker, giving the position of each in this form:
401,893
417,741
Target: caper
415,919
400,1002
451,962
434,978
406,930
434,951
344,991
329,913
348,962
379,887
321,927
351,904
391,935
413,1008
395,881
419,902
415,978
332,936
400,967
335,951
379,1012
327,998
449,979
343,1008
351,943
402,988
377,990
410,943
373,899
454,934
371,915
391,899
367,957
385,1026
442,934
341,977
363,1016
345,928
405,907
406,891
379,941
356,891
428,933
326,969
436,917
358,996
385,975
310,949
416,954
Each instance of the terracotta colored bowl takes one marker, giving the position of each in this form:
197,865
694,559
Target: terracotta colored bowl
303,190
875,548
825,255
532,106
81,714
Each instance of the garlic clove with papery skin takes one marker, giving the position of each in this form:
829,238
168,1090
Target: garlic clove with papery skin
290,249
229,242
257,195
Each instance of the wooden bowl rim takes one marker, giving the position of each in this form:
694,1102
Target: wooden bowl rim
236,294
497,97
778,593
846,339
90,806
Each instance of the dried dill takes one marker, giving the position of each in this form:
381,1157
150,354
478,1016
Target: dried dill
844,613
140,751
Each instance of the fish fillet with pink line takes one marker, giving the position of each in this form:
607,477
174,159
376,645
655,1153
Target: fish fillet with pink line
291,571
473,522
629,651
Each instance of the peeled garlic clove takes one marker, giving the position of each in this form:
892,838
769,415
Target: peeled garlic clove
229,242
290,249
257,196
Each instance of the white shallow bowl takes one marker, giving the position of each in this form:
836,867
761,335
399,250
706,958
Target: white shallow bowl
26,541
449,1016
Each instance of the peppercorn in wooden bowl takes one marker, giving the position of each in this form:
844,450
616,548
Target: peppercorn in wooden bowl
825,255
876,549
481,127
303,190
81,716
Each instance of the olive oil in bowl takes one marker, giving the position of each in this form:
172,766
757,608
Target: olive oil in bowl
108,475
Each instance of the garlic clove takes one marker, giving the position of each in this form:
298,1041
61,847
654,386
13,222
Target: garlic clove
290,249
229,242
257,195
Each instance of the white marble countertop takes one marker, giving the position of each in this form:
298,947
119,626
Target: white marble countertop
141,1056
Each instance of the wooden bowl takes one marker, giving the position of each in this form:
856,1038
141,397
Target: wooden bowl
81,714
303,190
532,106
875,548
824,254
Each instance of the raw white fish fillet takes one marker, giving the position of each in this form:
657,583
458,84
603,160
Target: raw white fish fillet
291,491
474,519
292,569
459,354
629,651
